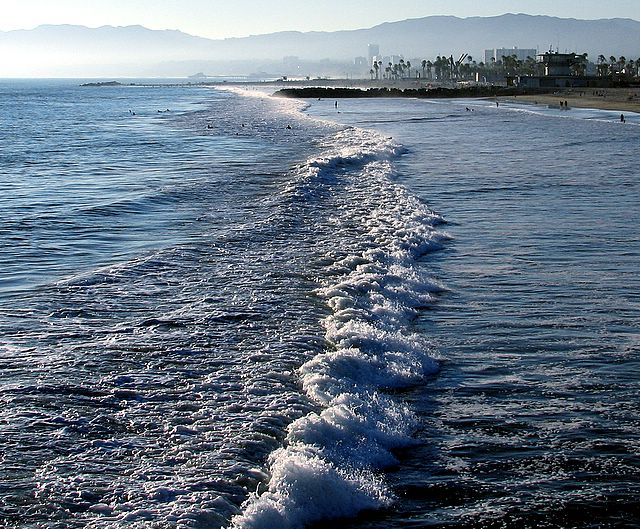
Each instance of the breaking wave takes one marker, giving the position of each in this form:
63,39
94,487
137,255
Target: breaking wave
330,465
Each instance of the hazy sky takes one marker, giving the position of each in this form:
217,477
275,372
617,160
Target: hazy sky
228,18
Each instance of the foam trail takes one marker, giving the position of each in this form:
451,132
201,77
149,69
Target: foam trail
330,464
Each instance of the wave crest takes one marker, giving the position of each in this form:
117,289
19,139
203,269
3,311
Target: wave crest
330,464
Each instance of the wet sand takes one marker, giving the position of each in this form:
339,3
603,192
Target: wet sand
621,99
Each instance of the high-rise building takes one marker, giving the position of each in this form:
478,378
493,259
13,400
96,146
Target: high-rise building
489,56
374,51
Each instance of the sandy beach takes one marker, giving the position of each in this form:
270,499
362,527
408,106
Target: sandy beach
621,99
616,99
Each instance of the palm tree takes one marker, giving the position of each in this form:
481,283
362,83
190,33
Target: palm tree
424,66
371,72
510,63
443,68
409,69
579,66
429,66
602,66
469,70
529,65
376,68
622,63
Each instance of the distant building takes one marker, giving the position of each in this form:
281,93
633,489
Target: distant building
520,53
560,72
373,52
362,62
557,64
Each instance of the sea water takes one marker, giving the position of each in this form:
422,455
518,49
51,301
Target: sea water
222,309
532,419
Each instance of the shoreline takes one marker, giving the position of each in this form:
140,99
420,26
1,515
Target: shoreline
614,99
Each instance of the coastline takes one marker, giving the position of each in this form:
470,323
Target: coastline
617,99
613,99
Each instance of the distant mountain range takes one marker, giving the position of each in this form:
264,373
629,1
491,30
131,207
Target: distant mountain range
135,50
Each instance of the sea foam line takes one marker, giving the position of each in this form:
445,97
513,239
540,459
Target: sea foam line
329,466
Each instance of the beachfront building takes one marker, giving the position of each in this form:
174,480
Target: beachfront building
558,64
562,70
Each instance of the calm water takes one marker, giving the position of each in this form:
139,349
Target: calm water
211,319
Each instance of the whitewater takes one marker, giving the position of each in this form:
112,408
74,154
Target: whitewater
223,309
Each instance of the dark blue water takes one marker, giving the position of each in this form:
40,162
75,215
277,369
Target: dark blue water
532,420
223,311
83,179
143,296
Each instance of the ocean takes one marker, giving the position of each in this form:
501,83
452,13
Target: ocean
221,309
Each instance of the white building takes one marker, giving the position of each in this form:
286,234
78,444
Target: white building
520,53
373,52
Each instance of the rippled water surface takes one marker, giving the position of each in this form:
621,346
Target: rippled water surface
532,421
227,310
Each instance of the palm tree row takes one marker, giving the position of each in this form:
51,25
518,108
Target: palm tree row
445,68
619,66
400,70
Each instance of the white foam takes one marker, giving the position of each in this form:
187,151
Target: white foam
305,486
285,105
331,462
